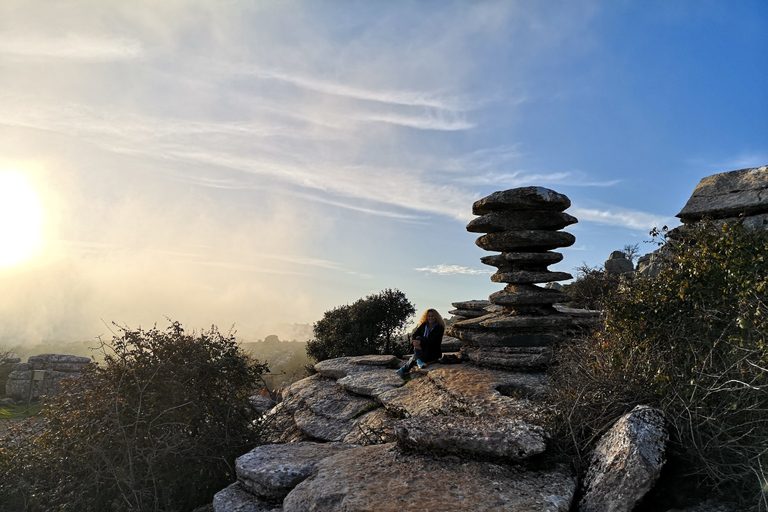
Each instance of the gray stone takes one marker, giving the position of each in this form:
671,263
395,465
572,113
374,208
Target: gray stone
471,304
728,194
508,357
479,338
57,362
322,410
618,266
473,437
374,427
271,471
469,313
381,479
529,277
510,261
526,294
371,383
236,499
523,198
337,368
261,404
510,241
626,462
373,360
525,219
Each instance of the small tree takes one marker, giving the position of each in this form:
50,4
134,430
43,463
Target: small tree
591,287
373,325
632,251
156,427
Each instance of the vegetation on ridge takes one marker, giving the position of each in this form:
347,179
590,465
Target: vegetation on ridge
692,341
156,427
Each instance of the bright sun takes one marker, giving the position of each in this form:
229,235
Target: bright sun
21,219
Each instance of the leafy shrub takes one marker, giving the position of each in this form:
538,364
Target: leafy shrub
373,325
592,287
692,341
156,427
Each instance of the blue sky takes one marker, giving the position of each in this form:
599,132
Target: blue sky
256,163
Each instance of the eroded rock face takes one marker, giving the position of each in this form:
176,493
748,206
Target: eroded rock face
236,499
626,462
271,471
473,437
728,194
383,479
51,370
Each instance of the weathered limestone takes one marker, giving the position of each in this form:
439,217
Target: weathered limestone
472,437
728,194
42,374
626,462
271,471
382,479
618,263
521,333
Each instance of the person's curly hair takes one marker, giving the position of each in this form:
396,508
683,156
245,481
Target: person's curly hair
424,317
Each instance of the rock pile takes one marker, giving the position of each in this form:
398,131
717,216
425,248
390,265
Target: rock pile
42,375
353,437
524,225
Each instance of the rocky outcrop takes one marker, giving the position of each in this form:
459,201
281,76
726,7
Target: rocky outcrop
42,375
618,263
523,224
728,194
626,462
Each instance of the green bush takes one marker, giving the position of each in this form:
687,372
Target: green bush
592,287
692,341
373,325
156,427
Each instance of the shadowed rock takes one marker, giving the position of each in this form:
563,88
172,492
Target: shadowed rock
381,479
728,194
526,219
523,198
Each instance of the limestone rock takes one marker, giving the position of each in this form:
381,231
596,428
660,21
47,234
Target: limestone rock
54,368
528,277
474,437
522,295
525,219
261,404
472,304
322,410
511,261
271,471
381,479
374,427
618,263
511,241
728,194
523,198
626,462
343,366
372,383
236,499
509,357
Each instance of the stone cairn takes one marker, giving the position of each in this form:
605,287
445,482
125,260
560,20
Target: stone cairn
524,225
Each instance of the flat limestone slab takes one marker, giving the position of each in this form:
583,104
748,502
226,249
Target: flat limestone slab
381,479
371,383
511,241
271,471
523,219
478,437
522,198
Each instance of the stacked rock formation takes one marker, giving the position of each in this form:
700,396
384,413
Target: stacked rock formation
523,224
471,309
42,375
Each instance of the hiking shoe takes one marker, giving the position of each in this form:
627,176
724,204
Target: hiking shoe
401,371
421,364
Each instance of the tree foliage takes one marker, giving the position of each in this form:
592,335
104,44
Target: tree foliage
156,427
592,287
373,325
692,341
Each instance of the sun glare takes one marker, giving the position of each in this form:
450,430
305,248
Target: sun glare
21,219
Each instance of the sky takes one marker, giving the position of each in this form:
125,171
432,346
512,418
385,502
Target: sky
257,163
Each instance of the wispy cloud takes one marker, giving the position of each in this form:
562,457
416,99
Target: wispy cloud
445,270
632,219
72,46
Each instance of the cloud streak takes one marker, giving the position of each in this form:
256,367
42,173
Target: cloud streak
72,47
631,219
448,270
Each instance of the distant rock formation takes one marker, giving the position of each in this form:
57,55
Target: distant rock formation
618,263
523,224
42,375
735,196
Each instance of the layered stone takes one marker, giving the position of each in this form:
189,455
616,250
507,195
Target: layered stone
521,219
523,225
523,198
528,239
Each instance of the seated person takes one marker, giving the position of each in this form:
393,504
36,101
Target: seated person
427,340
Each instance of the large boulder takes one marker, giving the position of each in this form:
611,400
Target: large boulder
383,479
728,194
626,462
42,375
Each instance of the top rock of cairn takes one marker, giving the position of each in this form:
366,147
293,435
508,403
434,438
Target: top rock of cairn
523,225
